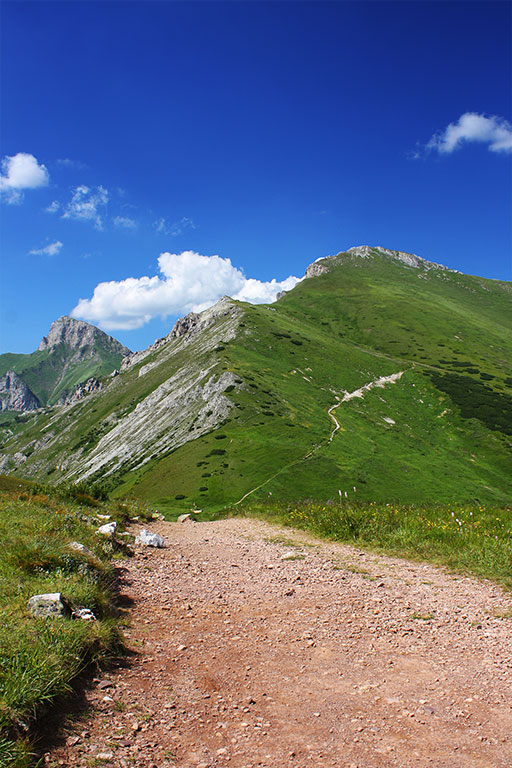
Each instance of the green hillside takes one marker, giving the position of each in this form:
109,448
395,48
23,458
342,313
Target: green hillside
438,430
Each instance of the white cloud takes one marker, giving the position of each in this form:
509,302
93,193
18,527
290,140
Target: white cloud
124,222
48,250
87,204
19,172
162,226
494,131
188,282
53,207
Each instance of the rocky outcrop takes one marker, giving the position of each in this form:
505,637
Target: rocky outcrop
81,391
321,266
185,329
79,335
15,395
184,325
316,269
409,259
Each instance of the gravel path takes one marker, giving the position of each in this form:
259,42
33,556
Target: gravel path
335,658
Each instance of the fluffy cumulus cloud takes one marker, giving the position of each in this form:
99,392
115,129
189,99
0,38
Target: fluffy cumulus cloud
472,127
188,282
19,172
48,250
87,204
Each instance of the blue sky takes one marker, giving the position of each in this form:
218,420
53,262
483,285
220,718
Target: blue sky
141,139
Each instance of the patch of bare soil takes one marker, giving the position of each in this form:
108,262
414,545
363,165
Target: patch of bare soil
332,657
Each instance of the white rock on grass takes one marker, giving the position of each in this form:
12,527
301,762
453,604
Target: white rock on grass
187,518
109,530
85,614
49,604
148,539
82,549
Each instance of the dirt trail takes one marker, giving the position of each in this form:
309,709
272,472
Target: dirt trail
341,659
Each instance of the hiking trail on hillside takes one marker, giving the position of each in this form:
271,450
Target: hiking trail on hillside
380,382
260,646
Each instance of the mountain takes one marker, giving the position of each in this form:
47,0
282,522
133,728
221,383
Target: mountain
379,371
72,352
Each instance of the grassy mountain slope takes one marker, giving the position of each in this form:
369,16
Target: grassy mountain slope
241,405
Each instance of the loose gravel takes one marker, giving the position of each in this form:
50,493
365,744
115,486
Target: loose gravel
258,646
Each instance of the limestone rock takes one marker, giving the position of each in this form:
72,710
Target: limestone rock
84,614
316,269
78,335
149,539
15,395
187,518
109,530
81,391
184,325
50,604
82,549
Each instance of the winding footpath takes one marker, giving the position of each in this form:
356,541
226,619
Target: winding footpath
381,382
260,647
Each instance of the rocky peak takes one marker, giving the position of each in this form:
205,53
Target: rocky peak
321,266
78,334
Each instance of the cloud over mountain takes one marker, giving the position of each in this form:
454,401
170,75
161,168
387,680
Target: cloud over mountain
187,282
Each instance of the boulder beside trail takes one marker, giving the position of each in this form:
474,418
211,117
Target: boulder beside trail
149,539
187,518
109,530
50,604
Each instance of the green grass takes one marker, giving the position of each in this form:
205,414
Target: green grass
467,539
39,657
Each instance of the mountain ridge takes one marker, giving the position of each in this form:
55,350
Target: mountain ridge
242,398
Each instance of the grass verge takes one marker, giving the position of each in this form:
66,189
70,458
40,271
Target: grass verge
40,657
469,539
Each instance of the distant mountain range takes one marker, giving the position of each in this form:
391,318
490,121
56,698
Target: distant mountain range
382,376
72,352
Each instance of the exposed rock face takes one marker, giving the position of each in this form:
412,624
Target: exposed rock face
79,335
81,391
188,403
15,395
184,325
316,269
185,329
